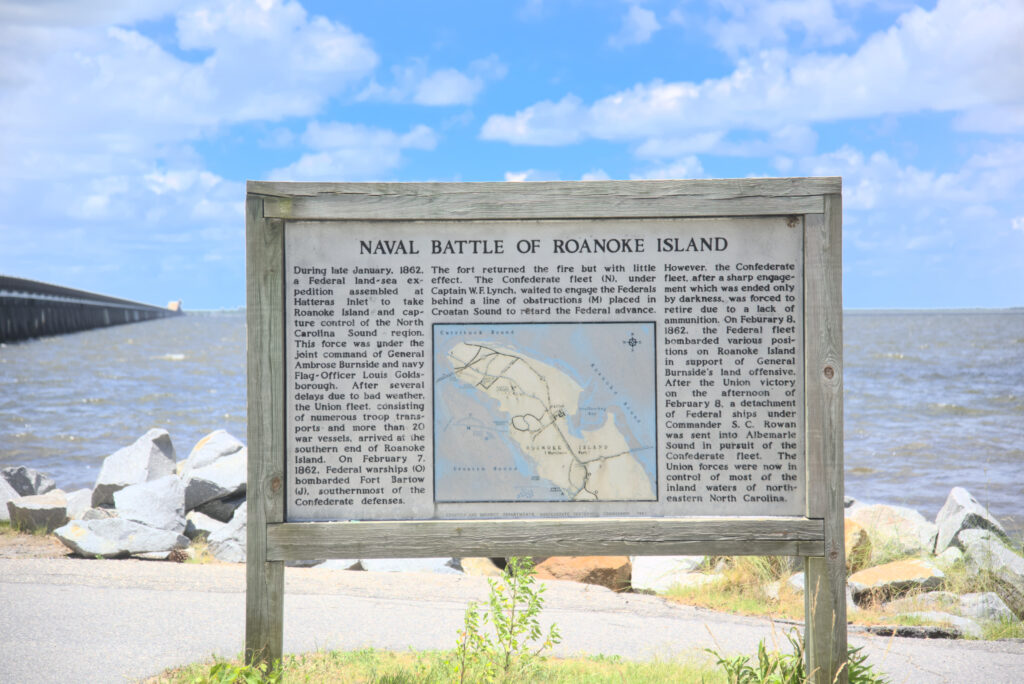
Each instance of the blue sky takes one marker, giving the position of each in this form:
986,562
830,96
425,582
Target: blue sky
128,128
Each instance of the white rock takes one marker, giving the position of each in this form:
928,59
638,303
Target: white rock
963,512
943,601
985,606
966,626
200,525
341,564
950,557
79,501
442,565
222,479
151,456
158,503
986,552
228,543
906,530
796,582
214,446
40,511
99,514
115,538
660,573
7,493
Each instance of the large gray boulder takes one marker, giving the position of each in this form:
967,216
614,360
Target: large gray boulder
884,582
39,512
902,530
660,573
199,525
116,538
222,479
985,606
158,503
26,481
79,501
212,447
7,493
222,509
979,606
151,456
228,543
963,512
964,626
986,553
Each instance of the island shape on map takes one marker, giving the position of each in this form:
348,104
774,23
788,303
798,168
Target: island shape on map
539,399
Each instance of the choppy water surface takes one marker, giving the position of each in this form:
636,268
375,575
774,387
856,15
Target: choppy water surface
69,401
933,400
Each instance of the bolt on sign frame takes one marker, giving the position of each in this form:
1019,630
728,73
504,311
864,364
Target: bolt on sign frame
811,205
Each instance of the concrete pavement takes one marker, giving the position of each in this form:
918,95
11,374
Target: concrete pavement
74,620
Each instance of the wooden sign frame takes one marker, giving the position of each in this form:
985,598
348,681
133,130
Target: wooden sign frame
817,536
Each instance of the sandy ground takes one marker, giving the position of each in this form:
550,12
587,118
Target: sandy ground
16,545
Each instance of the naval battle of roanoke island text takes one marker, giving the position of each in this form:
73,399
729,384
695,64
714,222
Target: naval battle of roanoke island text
557,369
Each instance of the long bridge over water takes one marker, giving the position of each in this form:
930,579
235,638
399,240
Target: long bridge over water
29,308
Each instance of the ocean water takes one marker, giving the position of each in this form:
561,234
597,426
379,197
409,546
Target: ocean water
933,400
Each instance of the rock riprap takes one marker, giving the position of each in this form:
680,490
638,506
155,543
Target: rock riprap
212,447
963,512
26,481
117,538
151,456
661,573
39,511
159,503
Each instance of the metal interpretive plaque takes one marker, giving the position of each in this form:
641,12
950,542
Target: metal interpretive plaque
548,369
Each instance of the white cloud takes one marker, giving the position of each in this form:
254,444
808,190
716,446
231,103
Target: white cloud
878,179
350,152
964,57
789,139
686,167
529,175
595,175
447,87
115,92
442,87
754,24
1018,223
545,123
638,25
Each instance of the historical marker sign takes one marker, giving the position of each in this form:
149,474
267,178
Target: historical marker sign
495,369
570,369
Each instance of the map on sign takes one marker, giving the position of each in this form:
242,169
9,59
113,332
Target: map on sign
544,412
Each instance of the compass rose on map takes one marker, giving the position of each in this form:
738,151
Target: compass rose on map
631,342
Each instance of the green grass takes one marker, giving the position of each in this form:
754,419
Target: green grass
742,583
7,528
430,667
742,587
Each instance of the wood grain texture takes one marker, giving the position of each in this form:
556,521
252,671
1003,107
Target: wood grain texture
264,604
547,200
825,578
546,537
